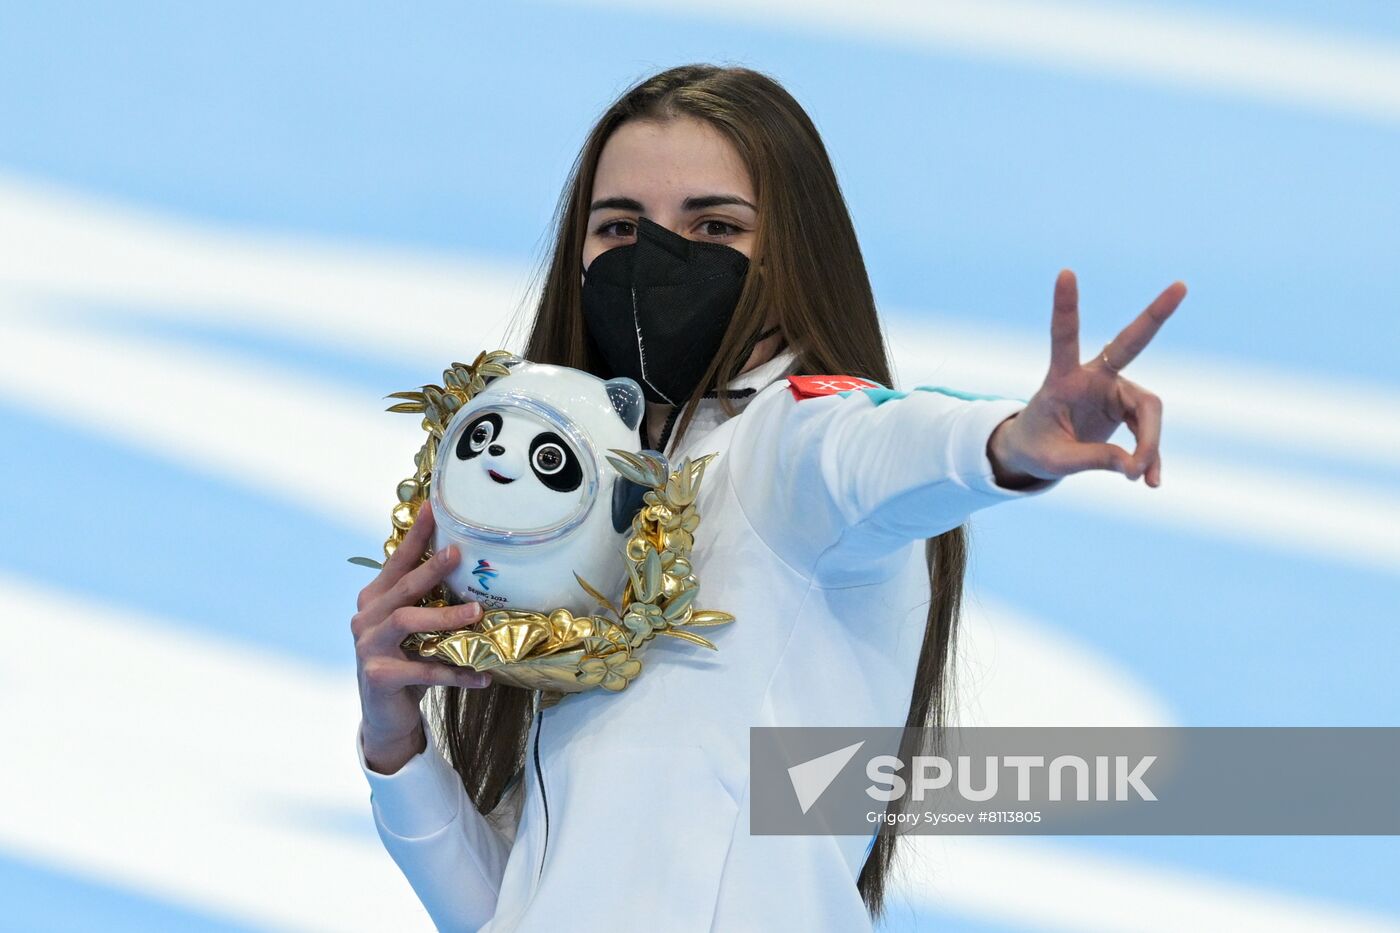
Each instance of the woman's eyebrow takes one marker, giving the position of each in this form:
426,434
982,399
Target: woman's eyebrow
714,200
622,204
697,203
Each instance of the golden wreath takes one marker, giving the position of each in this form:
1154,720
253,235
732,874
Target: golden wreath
558,652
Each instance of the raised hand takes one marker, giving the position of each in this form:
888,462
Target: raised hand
1064,427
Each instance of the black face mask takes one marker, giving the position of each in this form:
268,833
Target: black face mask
658,309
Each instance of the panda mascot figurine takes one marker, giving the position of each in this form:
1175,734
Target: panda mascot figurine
522,486
577,544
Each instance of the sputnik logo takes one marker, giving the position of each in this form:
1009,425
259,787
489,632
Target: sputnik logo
811,778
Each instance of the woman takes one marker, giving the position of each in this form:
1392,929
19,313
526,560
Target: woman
831,529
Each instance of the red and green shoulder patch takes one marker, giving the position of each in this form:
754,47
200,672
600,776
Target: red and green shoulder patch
818,386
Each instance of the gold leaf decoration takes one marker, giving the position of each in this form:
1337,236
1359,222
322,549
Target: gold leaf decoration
598,597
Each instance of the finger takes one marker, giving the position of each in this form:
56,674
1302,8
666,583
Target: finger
1143,414
1077,457
389,674
415,584
1154,473
1124,348
406,556
1064,325
410,550
410,620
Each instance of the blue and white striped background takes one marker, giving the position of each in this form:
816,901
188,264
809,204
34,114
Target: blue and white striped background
226,230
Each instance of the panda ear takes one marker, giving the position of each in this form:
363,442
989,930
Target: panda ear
627,400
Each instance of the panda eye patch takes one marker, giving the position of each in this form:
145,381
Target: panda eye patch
477,435
555,463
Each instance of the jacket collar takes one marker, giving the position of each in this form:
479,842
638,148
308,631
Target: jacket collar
709,413
762,376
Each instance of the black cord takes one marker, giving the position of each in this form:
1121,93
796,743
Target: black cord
544,799
731,393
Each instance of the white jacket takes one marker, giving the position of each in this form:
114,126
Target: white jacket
812,525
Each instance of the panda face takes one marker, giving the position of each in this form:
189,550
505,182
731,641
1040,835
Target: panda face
512,470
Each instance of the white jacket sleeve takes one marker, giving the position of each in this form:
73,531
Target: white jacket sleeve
452,857
837,485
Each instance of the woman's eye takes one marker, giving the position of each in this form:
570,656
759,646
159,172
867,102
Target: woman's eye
718,228
619,228
549,459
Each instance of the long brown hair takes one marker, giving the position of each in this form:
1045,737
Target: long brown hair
808,274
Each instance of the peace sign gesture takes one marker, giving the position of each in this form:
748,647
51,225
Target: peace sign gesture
1064,427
